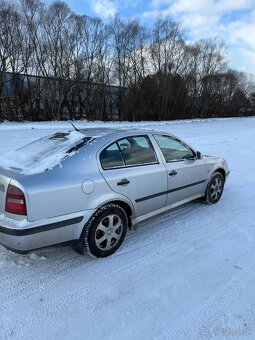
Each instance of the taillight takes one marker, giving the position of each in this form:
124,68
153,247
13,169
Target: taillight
15,201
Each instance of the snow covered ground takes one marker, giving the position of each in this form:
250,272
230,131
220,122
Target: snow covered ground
186,274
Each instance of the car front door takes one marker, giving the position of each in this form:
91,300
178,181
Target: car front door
186,173
130,167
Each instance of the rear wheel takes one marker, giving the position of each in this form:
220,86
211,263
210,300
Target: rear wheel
105,231
215,188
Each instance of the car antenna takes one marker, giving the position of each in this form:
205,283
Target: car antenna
75,128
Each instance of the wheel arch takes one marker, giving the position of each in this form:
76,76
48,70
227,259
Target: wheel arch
221,171
126,207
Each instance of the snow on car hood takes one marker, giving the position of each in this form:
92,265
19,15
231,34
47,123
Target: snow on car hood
44,153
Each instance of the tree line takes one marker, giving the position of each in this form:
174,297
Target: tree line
56,64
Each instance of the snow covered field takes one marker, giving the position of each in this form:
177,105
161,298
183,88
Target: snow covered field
187,274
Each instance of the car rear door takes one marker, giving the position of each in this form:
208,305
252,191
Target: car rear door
186,173
131,167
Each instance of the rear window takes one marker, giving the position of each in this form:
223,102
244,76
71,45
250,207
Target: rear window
43,154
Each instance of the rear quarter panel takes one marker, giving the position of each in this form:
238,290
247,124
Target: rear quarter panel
60,191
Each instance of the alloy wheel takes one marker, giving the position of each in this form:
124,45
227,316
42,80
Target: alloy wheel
216,188
108,232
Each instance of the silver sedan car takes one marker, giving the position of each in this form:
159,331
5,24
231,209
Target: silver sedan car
88,186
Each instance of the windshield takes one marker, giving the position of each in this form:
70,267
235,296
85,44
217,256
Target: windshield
44,153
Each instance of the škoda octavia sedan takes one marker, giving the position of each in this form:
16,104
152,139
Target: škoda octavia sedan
88,186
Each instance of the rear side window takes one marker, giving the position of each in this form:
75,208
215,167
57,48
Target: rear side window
111,157
137,151
130,151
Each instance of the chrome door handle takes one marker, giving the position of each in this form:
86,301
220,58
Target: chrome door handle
123,182
173,173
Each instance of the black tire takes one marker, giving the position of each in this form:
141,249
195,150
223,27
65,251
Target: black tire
215,188
105,231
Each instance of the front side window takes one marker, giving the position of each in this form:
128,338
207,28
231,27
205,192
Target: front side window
130,151
172,149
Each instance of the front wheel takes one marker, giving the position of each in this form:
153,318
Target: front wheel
215,188
105,231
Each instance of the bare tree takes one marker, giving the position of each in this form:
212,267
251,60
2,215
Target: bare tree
165,51
55,64
11,50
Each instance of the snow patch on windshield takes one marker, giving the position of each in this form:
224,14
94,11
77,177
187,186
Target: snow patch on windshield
42,154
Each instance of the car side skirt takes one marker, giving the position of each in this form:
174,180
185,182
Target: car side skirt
161,210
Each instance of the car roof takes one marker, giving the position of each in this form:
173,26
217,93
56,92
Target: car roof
97,132
102,132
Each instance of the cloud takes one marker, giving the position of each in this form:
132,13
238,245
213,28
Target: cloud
240,35
198,16
230,5
104,8
249,56
241,32
130,3
231,20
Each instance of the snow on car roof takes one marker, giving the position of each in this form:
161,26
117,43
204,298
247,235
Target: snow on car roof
43,154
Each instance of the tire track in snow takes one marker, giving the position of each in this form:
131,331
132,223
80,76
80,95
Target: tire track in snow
46,280
88,291
27,274
58,270
154,258
173,232
207,315
27,277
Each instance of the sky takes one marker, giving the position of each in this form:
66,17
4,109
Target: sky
231,20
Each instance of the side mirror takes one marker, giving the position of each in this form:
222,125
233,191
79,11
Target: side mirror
199,155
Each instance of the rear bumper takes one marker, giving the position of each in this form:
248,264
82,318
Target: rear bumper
38,234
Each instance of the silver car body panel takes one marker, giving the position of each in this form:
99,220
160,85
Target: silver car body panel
62,200
165,208
188,181
32,235
5,178
140,177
